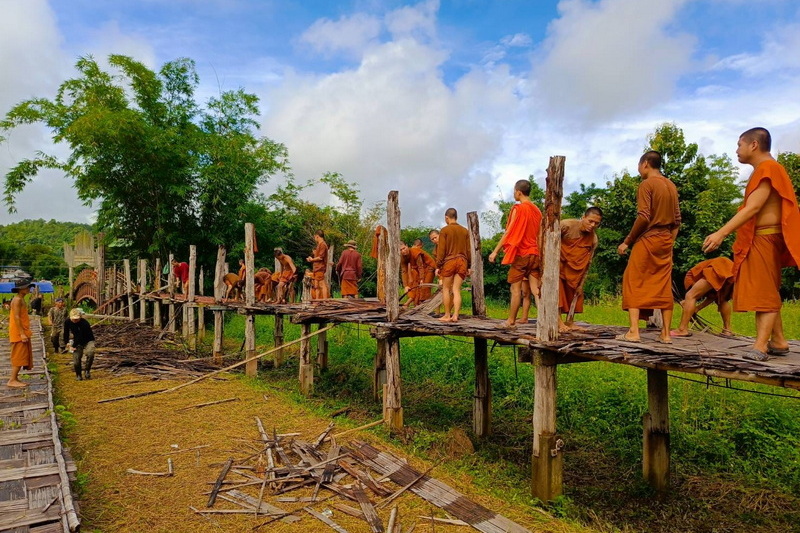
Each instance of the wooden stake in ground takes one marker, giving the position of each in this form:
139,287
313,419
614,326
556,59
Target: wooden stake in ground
250,298
392,398
225,469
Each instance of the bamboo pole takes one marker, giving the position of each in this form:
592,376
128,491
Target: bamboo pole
250,297
142,291
482,401
189,314
171,307
219,293
129,288
157,301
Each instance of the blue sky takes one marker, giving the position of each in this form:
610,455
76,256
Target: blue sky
448,101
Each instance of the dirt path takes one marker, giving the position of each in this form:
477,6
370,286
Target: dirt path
107,439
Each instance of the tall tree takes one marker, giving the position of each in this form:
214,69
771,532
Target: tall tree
161,170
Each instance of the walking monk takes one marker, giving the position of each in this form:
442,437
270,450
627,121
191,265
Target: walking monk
453,260
319,264
767,239
19,334
578,243
711,281
349,270
647,282
425,266
520,243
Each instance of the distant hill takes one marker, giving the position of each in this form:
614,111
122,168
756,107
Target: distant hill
37,246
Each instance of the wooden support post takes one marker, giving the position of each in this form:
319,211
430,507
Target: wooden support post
482,401
322,347
383,254
328,270
219,293
71,277
392,398
250,298
171,282
142,291
379,370
201,315
189,324
157,301
129,289
306,365
101,271
547,457
278,338
655,463
379,367
117,288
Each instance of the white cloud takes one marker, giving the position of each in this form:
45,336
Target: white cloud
418,21
776,55
603,59
521,40
348,34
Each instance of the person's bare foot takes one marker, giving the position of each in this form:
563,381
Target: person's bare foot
454,318
665,340
627,337
680,333
508,325
563,328
445,318
726,333
16,384
522,321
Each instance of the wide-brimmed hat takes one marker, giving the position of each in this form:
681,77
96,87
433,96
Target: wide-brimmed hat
351,243
22,284
76,313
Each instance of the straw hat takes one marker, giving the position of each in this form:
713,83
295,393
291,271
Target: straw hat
76,313
351,243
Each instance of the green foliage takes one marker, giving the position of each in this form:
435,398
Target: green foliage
37,246
791,276
163,171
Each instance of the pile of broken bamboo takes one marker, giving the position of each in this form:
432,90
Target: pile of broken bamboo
318,479
128,347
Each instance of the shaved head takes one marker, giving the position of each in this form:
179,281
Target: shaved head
594,210
759,135
652,158
523,186
451,213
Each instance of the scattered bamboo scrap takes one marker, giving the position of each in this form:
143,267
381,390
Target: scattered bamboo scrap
320,476
169,473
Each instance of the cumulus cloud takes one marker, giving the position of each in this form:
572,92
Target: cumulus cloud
776,55
603,59
521,40
418,21
348,34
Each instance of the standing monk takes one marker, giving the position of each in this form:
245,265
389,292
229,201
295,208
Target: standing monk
520,243
712,281
181,273
767,239
453,260
19,334
408,274
349,270
647,282
426,271
319,264
287,277
578,243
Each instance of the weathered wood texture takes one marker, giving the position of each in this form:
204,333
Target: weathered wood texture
219,293
478,296
547,322
392,399
129,288
250,297
656,443
306,364
171,305
101,270
142,290
157,287
546,463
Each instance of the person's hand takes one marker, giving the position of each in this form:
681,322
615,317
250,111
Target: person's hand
492,257
713,241
622,249
469,272
406,289
23,337
436,273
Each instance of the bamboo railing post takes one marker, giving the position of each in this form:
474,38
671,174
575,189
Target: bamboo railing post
482,402
250,298
379,366
392,398
171,283
219,293
546,481
655,459
129,288
157,301
201,316
189,323
142,291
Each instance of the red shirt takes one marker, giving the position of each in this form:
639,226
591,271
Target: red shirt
181,272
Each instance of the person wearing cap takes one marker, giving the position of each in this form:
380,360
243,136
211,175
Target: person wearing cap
349,270
57,315
19,334
82,342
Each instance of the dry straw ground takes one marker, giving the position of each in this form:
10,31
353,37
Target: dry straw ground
109,438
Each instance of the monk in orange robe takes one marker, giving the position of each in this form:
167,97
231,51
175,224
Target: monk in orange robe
235,286
319,265
578,243
408,274
520,242
425,267
767,239
647,282
712,282
263,285
453,261
349,269
19,335
288,275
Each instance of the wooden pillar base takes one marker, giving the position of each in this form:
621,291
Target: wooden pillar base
279,356
482,403
656,442
322,348
219,321
392,398
306,376
379,370
547,483
251,368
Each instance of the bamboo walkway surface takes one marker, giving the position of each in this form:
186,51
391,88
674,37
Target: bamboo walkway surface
702,353
35,492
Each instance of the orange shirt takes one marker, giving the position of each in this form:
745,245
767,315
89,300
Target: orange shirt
656,207
453,242
320,251
522,232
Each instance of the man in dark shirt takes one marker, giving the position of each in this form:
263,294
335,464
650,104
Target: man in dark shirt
82,342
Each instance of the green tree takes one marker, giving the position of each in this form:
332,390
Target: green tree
162,171
791,162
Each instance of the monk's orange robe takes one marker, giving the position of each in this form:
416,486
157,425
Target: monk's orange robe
21,351
286,274
760,253
374,252
522,232
425,267
647,281
408,275
453,251
718,272
577,248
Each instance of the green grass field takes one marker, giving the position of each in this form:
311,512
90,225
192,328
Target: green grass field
739,438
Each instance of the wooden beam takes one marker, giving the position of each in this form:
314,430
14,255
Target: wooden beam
383,255
306,365
219,293
101,270
379,366
328,271
250,297
157,302
189,315
142,291
392,398
655,460
171,306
